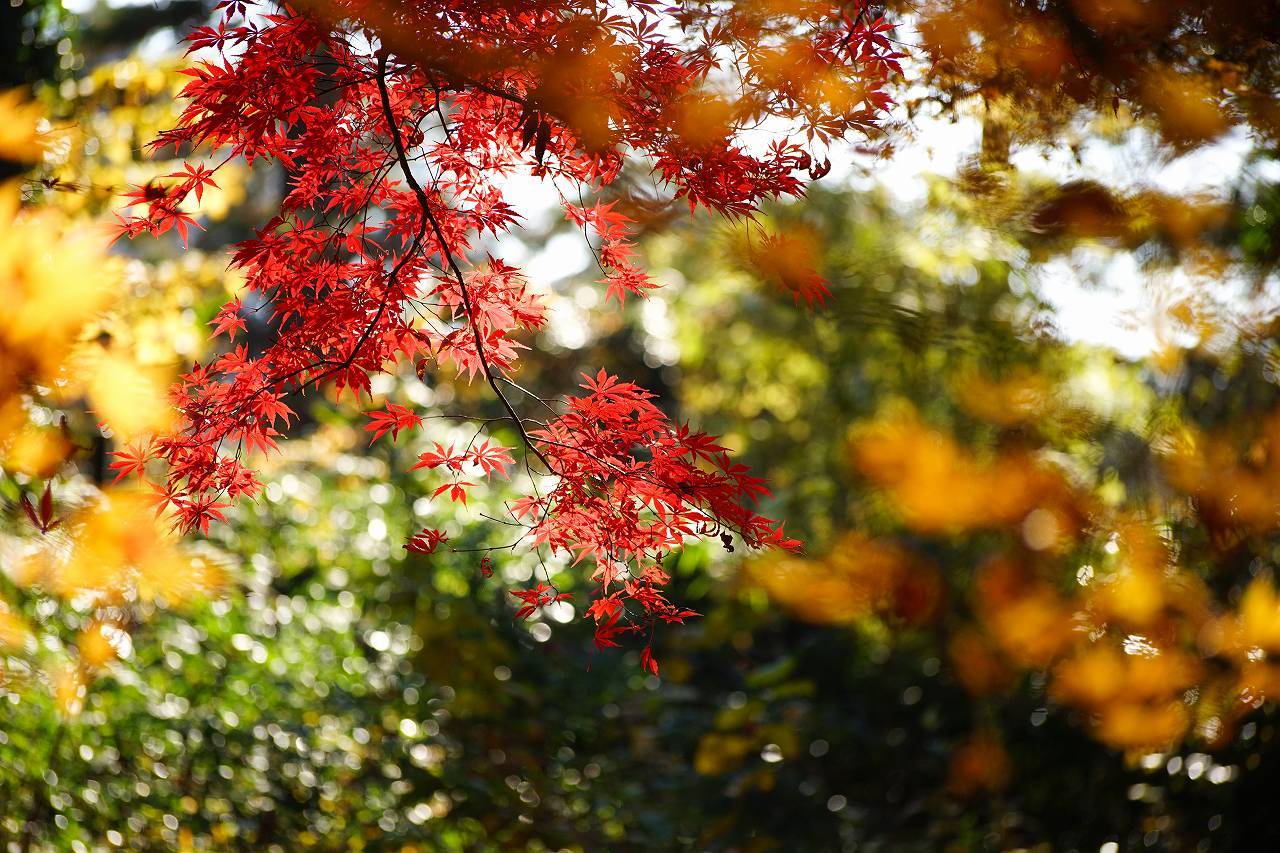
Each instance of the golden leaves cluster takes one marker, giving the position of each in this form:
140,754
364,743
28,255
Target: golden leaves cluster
103,558
938,486
862,577
112,552
106,565
55,283
1047,61
1094,591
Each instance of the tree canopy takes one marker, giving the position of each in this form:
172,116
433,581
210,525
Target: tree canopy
358,357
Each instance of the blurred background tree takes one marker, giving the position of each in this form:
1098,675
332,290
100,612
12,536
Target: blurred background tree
1036,612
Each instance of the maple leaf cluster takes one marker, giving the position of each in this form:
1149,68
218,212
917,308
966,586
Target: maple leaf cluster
397,124
632,487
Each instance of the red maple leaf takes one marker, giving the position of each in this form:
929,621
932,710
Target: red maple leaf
425,542
394,418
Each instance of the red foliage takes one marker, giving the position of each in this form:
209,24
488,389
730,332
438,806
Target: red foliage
397,124
425,542
393,418
42,519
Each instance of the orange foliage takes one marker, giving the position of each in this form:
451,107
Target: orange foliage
114,551
789,262
979,766
1138,644
1052,60
1021,398
1233,474
105,553
1137,698
1028,621
938,487
980,668
860,578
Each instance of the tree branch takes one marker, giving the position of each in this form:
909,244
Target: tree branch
398,141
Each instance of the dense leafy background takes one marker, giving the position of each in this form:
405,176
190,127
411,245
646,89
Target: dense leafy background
338,693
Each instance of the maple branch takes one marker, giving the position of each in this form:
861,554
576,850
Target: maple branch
424,203
462,82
